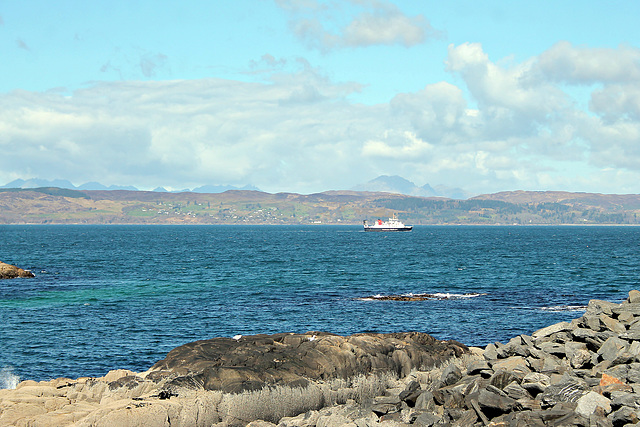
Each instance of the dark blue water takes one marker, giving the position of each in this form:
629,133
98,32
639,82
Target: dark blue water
109,297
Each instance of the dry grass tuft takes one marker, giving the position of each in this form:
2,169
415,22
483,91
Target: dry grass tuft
274,403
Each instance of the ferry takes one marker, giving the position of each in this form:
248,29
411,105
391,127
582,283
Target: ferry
392,225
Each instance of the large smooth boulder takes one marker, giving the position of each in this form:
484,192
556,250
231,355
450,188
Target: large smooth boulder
253,362
8,271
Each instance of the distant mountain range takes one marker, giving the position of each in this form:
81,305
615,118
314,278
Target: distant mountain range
397,184
96,186
384,183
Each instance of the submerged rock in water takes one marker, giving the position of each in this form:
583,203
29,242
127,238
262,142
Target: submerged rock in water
420,297
8,271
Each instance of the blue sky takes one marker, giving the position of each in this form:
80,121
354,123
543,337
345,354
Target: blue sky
307,96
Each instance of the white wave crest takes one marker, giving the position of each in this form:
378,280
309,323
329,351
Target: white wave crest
557,308
8,380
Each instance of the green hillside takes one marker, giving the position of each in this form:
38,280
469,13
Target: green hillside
61,206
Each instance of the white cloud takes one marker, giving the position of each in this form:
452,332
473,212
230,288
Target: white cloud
370,23
565,62
505,126
406,147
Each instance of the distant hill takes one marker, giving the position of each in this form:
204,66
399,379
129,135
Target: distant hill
51,205
397,184
604,202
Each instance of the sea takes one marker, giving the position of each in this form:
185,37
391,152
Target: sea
122,296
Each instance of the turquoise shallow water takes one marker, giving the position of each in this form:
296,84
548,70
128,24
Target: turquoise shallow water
109,297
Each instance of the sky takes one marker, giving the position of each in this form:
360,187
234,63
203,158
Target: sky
307,96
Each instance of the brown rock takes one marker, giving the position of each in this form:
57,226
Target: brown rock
8,271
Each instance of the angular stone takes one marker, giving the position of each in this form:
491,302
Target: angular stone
634,348
536,365
581,333
450,396
493,404
597,307
631,335
490,352
564,392
515,347
451,375
563,336
625,416
588,403
515,364
410,392
634,297
502,378
633,308
425,402
611,348
626,318
612,324
426,419
635,323
577,354
633,375
385,405
476,366
592,321
607,380
553,365
621,398
558,327
466,418
535,383
516,391
554,348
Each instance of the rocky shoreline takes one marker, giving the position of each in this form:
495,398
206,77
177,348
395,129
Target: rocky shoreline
580,373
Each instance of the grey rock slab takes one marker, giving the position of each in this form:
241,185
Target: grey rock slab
477,366
597,307
558,327
516,391
516,364
495,404
580,334
634,297
490,352
426,420
557,349
451,375
425,402
631,335
624,416
612,347
627,318
633,308
612,324
588,403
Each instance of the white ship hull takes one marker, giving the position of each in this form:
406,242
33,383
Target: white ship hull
392,225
